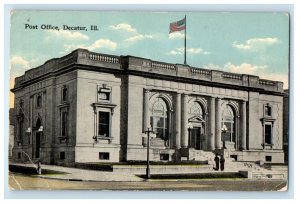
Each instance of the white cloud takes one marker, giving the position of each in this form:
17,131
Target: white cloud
138,37
261,71
180,51
176,35
103,43
255,43
19,61
72,47
98,44
135,36
123,27
65,34
244,68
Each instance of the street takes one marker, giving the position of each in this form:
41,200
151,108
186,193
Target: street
23,182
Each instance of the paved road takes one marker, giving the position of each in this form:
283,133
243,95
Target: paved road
19,181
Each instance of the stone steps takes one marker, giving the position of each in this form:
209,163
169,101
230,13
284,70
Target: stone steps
162,169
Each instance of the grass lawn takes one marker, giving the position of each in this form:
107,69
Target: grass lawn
32,170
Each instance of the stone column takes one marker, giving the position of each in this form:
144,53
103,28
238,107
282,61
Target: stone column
218,141
184,122
212,122
146,110
244,125
178,121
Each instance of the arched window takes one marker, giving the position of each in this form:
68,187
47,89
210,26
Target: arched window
39,101
159,119
196,110
64,94
229,121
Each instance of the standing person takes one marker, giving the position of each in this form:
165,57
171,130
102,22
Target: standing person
39,167
222,163
217,161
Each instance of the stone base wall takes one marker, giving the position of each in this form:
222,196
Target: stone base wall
270,156
140,154
97,154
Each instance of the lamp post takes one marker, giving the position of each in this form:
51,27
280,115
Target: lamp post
224,129
190,127
148,145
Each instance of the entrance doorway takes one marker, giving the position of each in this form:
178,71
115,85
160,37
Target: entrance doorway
195,141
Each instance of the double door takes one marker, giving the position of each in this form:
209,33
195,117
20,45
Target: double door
195,138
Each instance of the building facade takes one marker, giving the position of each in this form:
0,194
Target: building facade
91,107
11,132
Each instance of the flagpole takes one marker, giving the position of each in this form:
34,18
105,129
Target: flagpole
185,41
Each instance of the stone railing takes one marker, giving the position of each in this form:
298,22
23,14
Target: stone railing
104,58
165,66
200,71
267,82
232,76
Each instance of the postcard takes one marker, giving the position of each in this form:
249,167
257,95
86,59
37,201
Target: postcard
159,101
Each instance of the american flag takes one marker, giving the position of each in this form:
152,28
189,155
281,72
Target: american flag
177,26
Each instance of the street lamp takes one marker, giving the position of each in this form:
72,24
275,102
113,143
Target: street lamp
190,127
224,129
148,145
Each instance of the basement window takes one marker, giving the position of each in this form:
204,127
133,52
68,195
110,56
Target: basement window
103,155
62,155
268,158
164,157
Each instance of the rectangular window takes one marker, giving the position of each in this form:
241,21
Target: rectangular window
160,126
103,124
229,134
103,155
20,130
268,134
164,157
64,93
268,158
19,155
39,101
64,124
62,155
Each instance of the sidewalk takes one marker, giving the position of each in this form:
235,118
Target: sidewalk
75,174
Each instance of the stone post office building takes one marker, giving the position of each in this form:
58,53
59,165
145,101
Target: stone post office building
91,107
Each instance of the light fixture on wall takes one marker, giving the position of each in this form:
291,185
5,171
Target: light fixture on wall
41,129
28,130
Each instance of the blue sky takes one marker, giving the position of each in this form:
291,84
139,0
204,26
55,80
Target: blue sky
251,43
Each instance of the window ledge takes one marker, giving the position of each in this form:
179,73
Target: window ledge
65,104
62,138
97,138
264,145
267,119
103,137
104,105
